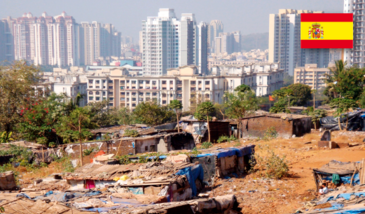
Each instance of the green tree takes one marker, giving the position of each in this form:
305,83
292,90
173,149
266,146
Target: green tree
177,106
17,82
40,119
317,115
205,108
342,106
151,113
242,88
240,104
125,116
76,126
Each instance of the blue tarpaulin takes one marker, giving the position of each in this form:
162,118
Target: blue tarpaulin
335,206
227,152
345,179
192,173
346,196
352,211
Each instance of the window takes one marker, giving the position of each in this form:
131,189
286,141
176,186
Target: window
111,99
97,93
122,93
133,105
164,102
153,82
147,82
122,82
192,82
110,81
104,93
90,92
91,98
127,81
91,81
171,82
134,82
104,81
110,87
122,87
97,81
154,94
110,93
97,98
133,93
110,104
163,82
207,82
122,99
140,94
148,94
90,86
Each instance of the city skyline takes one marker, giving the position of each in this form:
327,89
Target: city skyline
126,15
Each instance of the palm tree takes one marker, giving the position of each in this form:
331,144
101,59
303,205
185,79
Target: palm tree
176,105
288,92
205,108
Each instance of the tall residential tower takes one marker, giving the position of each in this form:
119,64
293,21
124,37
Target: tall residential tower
284,42
169,43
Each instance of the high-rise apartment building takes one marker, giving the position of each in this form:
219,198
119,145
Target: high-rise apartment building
228,43
284,42
215,28
57,40
46,40
6,39
169,43
356,56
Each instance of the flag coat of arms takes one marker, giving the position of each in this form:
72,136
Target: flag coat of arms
326,30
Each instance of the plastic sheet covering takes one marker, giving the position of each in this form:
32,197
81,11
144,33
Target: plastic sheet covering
355,121
346,196
227,152
352,211
346,179
192,173
335,206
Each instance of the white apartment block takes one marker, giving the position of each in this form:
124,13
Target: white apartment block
356,56
169,43
311,75
183,83
284,42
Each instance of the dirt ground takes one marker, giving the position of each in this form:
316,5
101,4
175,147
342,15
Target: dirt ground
261,195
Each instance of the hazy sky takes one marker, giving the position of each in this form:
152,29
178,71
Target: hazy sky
248,16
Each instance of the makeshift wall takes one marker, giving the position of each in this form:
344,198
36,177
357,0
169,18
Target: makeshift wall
199,128
257,126
73,150
146,145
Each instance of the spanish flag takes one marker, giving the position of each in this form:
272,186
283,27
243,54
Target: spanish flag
326,30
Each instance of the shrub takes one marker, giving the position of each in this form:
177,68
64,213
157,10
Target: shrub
206,145
130,133
89,151
271,166
270,133
123,159
226,139
195,151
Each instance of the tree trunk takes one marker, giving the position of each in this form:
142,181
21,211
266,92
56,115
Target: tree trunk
80,143
208,128
177,119
347,121
315,125
339,122
314,101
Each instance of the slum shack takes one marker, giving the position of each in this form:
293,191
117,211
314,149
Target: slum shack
286,125
131,146
223,162
337,172
199,129
344,190
172,181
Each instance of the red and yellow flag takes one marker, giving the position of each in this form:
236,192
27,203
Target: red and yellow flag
326,30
